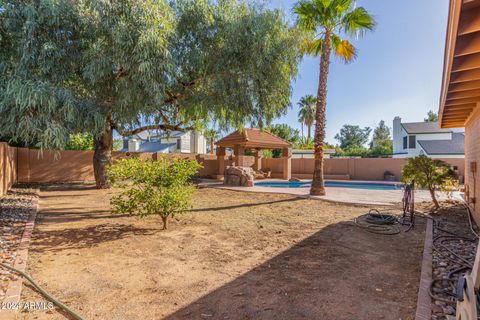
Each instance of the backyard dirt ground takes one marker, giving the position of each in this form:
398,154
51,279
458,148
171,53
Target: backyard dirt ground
236,255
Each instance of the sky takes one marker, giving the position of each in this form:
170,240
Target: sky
398,71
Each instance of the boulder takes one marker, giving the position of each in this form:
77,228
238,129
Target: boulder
239,176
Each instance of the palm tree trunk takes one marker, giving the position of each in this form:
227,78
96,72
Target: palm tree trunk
302,131
211,146
318,186
102,157
309,128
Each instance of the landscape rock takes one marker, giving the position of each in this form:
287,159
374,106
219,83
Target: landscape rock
239,176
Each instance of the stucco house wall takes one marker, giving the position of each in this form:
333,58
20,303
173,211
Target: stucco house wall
472,162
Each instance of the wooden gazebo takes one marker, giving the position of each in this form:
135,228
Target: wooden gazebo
255,140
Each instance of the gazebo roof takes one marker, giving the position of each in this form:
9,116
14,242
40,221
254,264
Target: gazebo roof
253,138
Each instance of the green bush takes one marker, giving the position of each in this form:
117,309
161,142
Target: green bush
428,173
151,187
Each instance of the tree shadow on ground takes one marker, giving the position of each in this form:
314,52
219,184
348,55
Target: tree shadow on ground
340,272
79,238
244,205
53,216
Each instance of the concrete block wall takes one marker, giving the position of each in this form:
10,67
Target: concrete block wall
355,168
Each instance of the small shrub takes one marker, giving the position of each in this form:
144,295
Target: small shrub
428,173
450,187
148,187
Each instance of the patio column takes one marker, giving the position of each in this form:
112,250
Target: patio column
257,164
221,162
239,155
287,163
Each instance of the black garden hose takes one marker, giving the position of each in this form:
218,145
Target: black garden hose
379,223
47,295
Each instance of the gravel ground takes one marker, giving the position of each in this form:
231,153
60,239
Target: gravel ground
447,267
15,208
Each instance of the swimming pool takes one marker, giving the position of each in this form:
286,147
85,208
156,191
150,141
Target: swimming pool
334,184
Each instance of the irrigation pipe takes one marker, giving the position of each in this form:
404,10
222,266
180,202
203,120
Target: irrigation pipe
47,295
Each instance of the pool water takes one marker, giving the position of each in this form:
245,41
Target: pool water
334,184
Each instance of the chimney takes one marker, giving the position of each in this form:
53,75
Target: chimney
397,135
133,145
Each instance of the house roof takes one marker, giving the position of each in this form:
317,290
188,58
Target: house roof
461,68
424,127
453,146
253,138
153,146
157,134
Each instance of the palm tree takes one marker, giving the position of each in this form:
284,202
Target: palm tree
324,22
211,135
306,115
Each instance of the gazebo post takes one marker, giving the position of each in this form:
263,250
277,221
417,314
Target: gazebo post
287,163
221,162
239,152
257,164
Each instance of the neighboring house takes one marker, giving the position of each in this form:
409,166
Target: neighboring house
426,138
309,154
166,142
460,96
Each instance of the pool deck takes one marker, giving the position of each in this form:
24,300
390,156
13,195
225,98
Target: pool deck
335,194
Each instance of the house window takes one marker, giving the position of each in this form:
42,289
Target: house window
179,144
412,142
405,142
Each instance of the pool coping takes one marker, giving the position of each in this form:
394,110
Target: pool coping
371,197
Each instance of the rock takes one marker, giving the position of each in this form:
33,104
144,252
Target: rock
239,176
294,180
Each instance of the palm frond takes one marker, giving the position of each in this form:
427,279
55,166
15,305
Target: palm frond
306,12
344,49
312,47
358,21
342,6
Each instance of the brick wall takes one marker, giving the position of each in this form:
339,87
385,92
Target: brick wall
472,156
8,167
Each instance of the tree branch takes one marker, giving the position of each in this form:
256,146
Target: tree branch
177,127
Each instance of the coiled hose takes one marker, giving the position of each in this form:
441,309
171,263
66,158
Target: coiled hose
47,295
379,223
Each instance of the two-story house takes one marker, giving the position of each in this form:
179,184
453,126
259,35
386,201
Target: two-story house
166,142
426,138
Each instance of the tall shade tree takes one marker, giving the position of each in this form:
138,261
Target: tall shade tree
306,115
380,134
98,66
353,137
325,22
431,117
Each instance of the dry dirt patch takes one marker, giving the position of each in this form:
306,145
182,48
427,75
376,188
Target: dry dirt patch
236,255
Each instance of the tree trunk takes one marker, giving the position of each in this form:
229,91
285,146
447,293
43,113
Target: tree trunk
211,146
102,157
318,186
165,222
309,129
302,132
434,198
